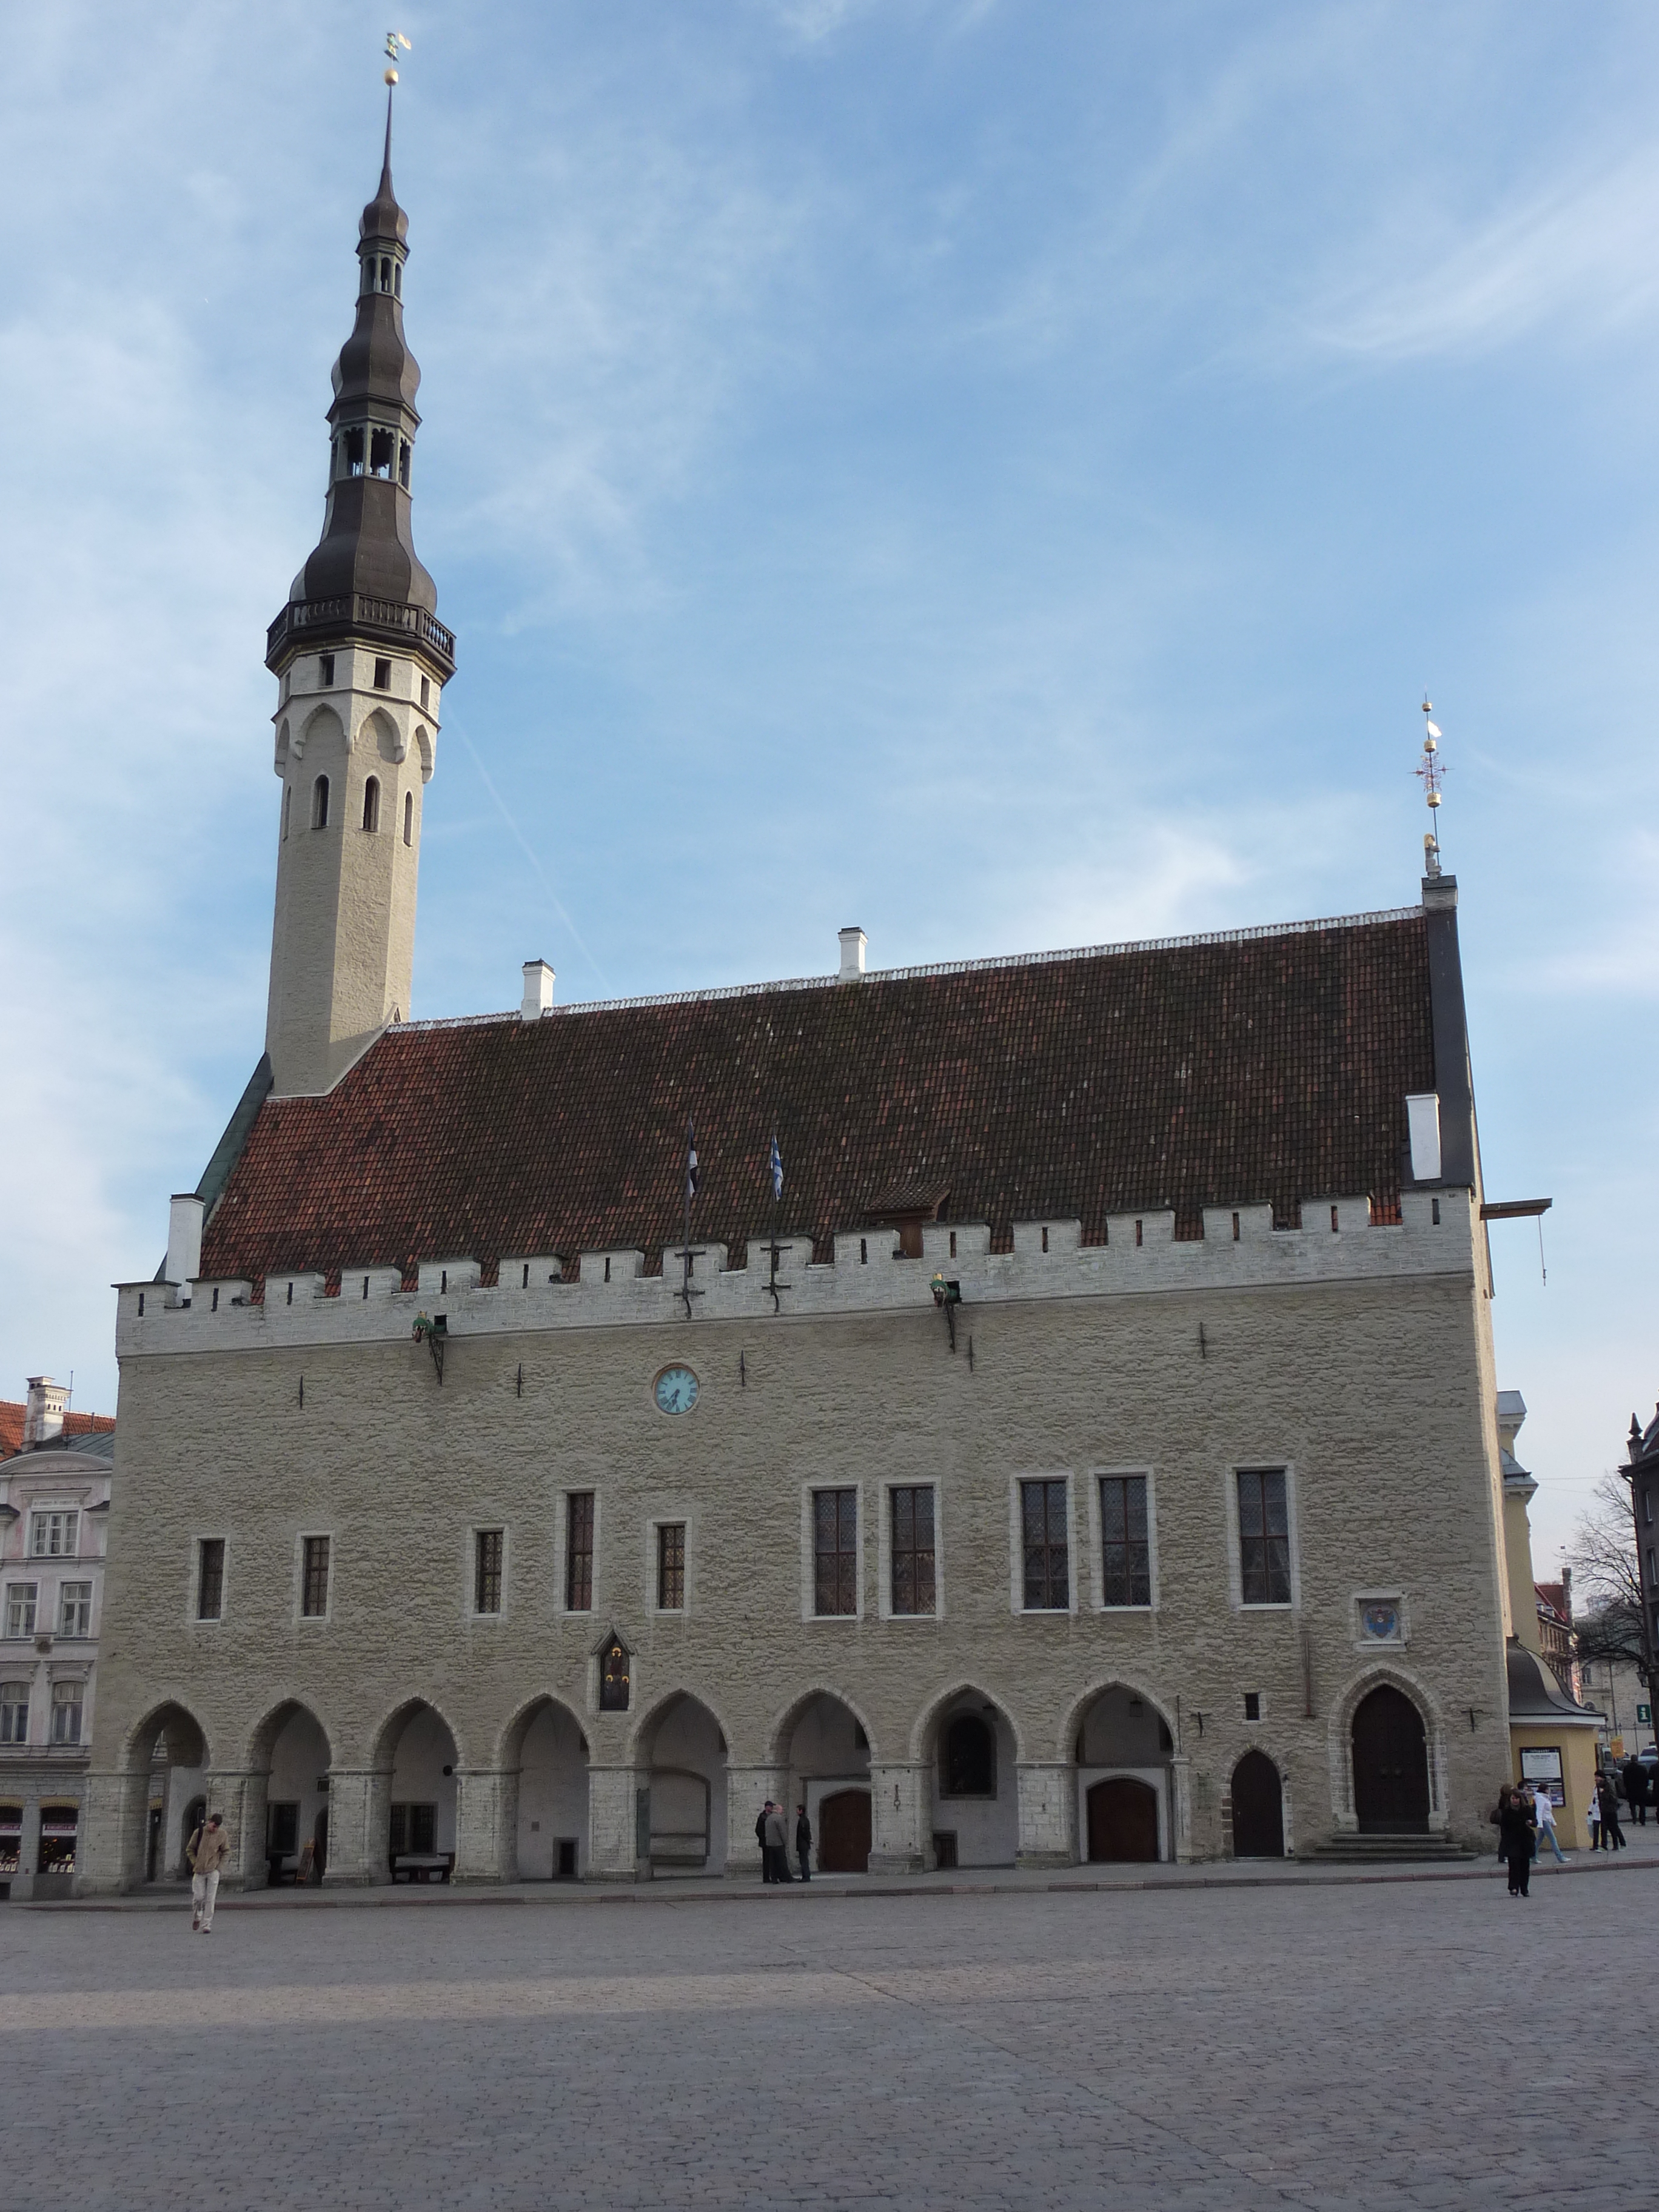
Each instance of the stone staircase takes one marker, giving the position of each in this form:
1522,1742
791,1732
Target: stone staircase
1391,1850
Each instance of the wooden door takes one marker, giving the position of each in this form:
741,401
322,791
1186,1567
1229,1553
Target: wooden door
1390,1767
1122,1819
1258,1809
844,1833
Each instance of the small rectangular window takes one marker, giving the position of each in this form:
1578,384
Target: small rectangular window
835,1552
66,1709
14,1712
54,1535
487,1544
75,1609
671,1567
413,1829
1047,1558
1264,1536
1252,1704
19,1607
209,1578
282,1832
579,1552
325,670
426,693
383,675
313,1596
914,1589
1126,1556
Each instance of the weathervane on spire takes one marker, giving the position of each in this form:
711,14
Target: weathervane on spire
393,40
1432,773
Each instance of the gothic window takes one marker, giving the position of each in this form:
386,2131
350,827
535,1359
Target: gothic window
1126,1558
671,1567
970,1762
408,818
834,1551
613,1677
488,1547
319,804
354,450
1264,1536
385,272
382,445
912,1509
371,803
313,1589
579,1552
209,1578
1047,1577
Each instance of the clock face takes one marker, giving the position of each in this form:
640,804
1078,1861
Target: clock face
677,1390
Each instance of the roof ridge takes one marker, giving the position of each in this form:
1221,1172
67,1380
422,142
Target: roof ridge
934,968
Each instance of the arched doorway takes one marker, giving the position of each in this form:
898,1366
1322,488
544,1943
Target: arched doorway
548,1747
827,1755
419,1840
1390,1765
1122,1818
1124,1751
166,1760
976,1786
684,1750
1258,1809
290,1757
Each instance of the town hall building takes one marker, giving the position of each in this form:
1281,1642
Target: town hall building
1091,1454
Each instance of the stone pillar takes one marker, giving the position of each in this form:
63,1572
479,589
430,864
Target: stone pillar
110,1849
1047,1815
356,1839
238,1796
612,1824
1181,1812
747,1789
482,1795
900,1839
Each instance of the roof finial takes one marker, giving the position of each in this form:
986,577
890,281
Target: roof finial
1432,773
393,40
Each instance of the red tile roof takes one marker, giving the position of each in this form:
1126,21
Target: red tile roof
75,1425
1268,1065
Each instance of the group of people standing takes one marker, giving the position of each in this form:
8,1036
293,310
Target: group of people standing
1525,1818
772,1835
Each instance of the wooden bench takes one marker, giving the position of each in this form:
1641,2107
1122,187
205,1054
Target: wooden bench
422,1866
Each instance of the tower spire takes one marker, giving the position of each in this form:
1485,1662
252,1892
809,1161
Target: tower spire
360,657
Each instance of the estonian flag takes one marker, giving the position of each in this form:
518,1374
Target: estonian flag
690,1162
777,1167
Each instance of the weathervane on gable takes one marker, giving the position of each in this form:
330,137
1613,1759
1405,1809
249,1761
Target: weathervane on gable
1431,772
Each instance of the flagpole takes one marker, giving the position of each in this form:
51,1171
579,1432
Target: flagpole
691,1148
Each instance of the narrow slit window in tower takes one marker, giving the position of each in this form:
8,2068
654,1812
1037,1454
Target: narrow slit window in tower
397,279
325,670
382,445
288,807
319,804
371,803
354,450
408,818
385,272
426,693
403,463
383,675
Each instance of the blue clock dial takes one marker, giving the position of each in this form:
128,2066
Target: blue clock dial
677,1390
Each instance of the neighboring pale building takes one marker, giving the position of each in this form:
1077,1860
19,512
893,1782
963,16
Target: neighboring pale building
1090,1454
1553,1735
54,1507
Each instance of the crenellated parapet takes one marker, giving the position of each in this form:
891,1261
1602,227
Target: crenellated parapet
1337,1242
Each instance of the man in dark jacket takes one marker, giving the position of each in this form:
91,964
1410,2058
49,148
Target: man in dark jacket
1516,1834
760,1838
1636,1789
803,1841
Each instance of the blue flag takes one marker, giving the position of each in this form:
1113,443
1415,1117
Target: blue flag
777,1167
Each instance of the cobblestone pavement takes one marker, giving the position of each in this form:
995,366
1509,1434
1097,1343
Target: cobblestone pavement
1355,2044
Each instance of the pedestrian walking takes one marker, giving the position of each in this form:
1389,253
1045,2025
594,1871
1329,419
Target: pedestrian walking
1516,1832
777,1843
1636,1789
803,1841
1613,1835
1544,1812
760,1838
1593,1813
206,1852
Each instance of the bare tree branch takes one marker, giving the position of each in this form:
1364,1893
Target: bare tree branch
1604,1550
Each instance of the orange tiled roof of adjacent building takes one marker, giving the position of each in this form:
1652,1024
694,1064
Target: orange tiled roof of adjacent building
75,1425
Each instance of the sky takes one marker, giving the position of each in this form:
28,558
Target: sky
1002,476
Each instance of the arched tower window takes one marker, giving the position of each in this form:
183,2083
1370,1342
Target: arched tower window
319,804
371,803
408,818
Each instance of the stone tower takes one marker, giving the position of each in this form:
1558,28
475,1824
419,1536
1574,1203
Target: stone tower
361,661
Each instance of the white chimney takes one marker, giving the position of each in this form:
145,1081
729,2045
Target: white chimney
1423,1118
537,991
852,942
184,1261
43,1412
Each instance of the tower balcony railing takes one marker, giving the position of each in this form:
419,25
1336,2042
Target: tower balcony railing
356,611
